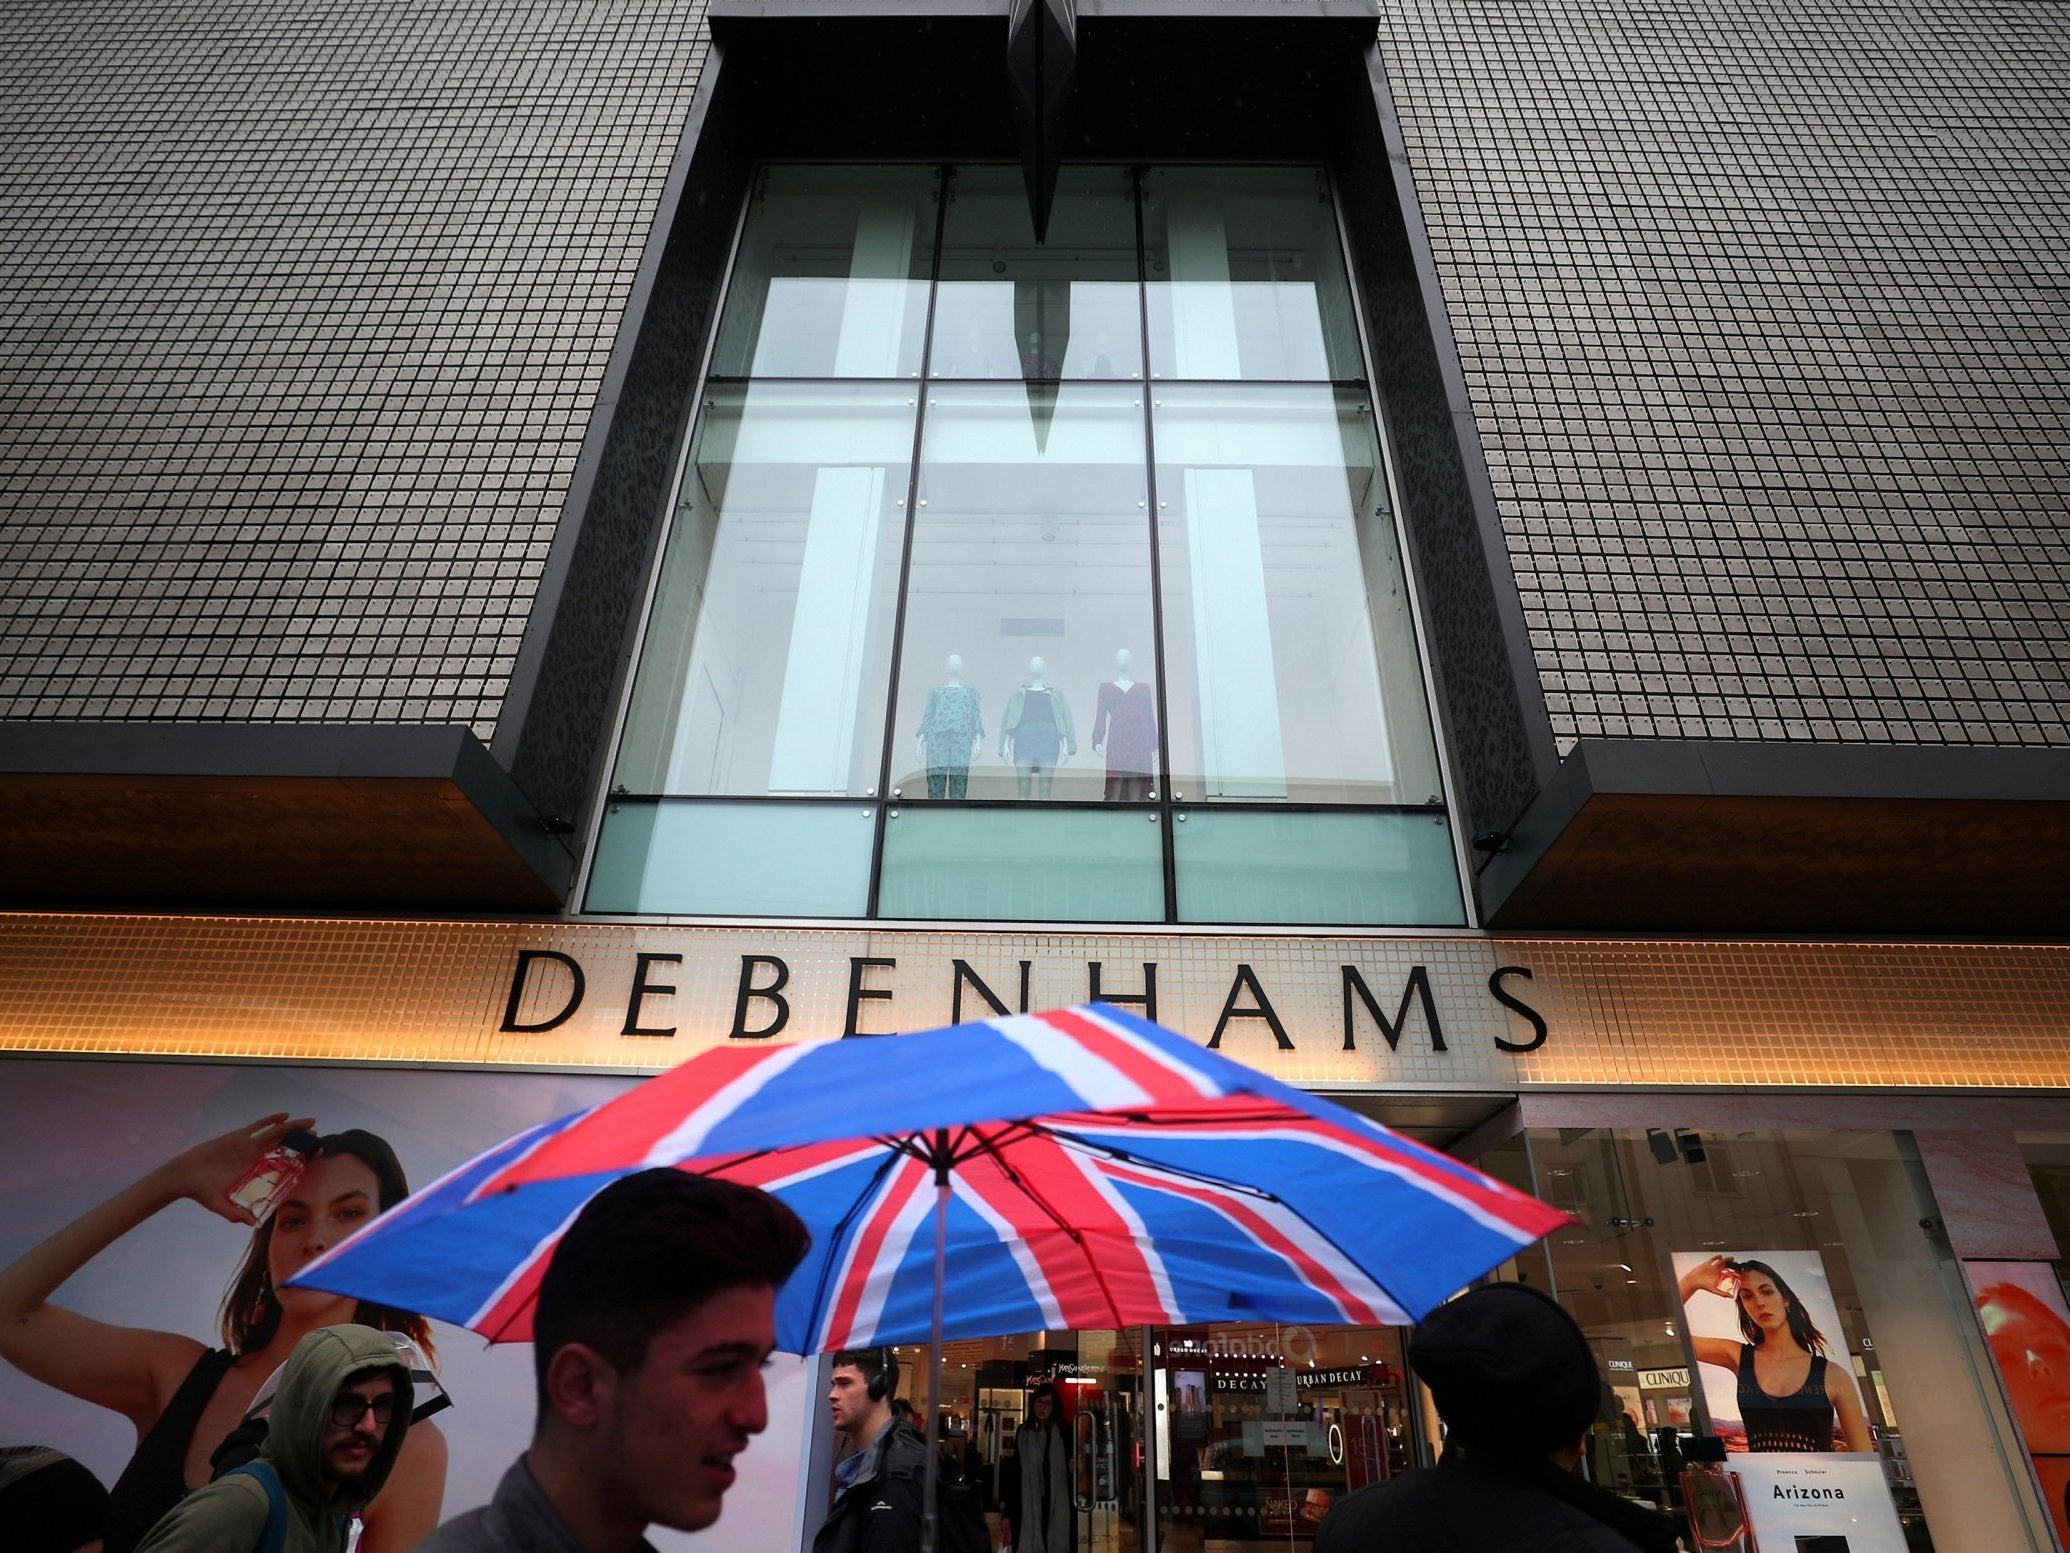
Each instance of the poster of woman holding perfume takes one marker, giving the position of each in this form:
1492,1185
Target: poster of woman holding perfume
299,1192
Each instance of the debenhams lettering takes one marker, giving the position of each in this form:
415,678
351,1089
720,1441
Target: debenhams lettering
1392,1011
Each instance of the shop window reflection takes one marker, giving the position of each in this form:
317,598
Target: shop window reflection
1008,307
1293,673
1029,580
1187,1418
831,278
1719,1284
765,666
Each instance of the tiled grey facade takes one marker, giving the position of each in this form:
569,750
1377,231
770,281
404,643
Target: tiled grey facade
304,306
1762,311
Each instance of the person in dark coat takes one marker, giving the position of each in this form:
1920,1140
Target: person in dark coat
880,1485
1518,1389
1036,1494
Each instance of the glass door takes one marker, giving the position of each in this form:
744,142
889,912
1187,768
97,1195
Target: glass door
1258,1430
1173,1439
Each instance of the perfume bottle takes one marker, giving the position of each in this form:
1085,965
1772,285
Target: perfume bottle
1717,1511
274,1173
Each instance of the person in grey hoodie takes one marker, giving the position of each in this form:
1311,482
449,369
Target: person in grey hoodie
336,1427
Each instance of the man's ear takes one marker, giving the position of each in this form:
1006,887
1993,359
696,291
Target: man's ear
580,1385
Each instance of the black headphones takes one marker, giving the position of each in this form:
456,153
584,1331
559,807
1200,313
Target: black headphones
885,1381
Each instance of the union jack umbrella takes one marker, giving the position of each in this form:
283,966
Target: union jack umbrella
1087,1169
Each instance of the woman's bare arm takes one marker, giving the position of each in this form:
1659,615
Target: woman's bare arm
128,1369
1847,1406
406,1510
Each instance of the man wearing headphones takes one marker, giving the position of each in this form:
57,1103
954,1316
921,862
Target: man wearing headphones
878,1485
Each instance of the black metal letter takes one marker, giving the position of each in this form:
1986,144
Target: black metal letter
1507,1001
1418,987
1246,978
858,967
963,973
771,993
517,992
1147,1001
641,987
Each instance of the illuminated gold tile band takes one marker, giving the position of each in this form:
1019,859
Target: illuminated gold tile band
1614,1012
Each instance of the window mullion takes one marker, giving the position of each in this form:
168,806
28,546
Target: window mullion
905,560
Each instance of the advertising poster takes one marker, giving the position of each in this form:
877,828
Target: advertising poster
75,1134
1769,1354
2027,1323
1822,1504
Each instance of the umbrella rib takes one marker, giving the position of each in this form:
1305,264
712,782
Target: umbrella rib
1181,1172
847,1219
989,1146
1072,1140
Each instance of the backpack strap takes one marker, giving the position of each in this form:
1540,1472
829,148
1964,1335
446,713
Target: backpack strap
275,1540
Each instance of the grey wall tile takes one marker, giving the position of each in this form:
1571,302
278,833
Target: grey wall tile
303,309
1762,310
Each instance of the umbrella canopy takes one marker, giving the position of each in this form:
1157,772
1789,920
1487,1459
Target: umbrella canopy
1082,1168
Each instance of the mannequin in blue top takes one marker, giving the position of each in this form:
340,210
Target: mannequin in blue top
1036,734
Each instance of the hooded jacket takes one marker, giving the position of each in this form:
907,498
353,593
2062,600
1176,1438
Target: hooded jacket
229,1515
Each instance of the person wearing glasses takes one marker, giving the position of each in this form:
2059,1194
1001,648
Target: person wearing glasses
336,1428
186,1397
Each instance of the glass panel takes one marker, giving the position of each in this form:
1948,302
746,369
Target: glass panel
1362,869
1228,1482
1246,278
734,859
1023,865
1291,656
1026,668
1066,308
765,668
831,280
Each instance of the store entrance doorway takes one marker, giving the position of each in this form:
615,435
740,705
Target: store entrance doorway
1231,1438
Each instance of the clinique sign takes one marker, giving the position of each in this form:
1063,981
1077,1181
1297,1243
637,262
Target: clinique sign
548,987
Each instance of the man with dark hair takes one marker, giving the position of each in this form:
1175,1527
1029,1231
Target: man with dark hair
1517,1386
652,1324
880,1483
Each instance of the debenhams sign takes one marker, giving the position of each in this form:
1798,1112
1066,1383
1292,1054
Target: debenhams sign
1381,996
1445,1012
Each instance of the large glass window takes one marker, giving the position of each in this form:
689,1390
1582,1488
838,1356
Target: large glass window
831,280
1293,670
1070,640
767,658
1030,568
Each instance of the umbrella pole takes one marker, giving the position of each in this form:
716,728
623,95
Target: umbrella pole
928,1504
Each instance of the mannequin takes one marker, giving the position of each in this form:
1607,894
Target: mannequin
950,732
1036,734
1125,723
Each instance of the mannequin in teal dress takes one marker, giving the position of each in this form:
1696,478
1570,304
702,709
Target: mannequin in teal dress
950,731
